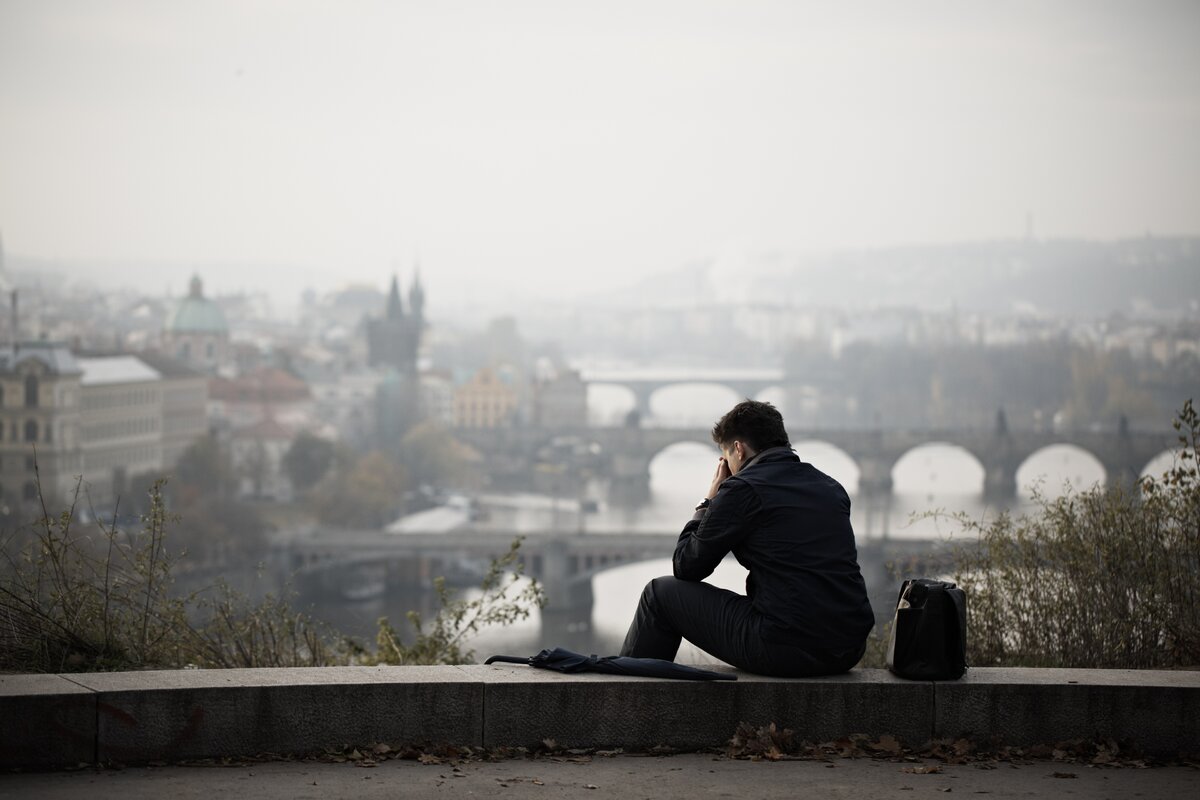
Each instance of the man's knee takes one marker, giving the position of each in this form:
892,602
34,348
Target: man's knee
656,589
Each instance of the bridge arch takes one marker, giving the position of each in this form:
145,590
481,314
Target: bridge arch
939,467
1055,466
680,472
776,396
1162,462
832,460
693,404
609,404
616,589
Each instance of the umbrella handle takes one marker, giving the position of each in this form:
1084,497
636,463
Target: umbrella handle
508,659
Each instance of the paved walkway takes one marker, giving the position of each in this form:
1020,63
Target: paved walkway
628,777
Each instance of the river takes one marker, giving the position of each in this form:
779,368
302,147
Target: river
934,477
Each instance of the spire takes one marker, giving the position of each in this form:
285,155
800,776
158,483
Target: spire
416,294
196,288
394,308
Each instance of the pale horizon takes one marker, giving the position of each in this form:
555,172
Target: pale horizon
528,150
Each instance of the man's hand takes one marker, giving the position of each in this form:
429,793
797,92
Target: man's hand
719,478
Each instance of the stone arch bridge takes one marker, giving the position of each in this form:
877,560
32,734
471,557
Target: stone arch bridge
744,382
626,453
324,559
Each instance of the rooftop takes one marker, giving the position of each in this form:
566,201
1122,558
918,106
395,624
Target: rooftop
197,314
55,355
107,370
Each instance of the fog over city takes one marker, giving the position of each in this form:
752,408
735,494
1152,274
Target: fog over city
381,286
531,150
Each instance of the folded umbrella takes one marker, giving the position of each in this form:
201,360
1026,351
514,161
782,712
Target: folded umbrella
561,660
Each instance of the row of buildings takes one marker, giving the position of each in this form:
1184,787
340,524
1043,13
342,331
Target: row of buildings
104,418
67,413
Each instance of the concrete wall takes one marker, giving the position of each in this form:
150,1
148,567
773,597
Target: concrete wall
54,720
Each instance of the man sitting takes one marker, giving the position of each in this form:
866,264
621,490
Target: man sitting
805,611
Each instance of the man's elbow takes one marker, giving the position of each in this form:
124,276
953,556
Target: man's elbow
686,572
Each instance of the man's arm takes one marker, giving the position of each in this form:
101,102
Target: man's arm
714,531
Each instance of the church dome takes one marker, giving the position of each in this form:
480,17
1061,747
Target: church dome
197,314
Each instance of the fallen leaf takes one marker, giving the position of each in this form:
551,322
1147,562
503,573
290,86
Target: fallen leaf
887,744
590,786
924,769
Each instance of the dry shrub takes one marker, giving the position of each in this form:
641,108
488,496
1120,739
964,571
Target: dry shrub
1104,578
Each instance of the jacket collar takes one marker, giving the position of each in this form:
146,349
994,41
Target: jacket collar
780,453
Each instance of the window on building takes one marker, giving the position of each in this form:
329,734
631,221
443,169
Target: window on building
49,434
31,391
208,351
30,463
30,492
31,427
185,350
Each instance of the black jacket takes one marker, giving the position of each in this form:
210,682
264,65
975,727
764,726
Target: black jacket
788,523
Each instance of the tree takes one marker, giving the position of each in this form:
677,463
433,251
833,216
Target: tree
433,456
204,469
307,460
367,495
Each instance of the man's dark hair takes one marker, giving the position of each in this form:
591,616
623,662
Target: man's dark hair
758,424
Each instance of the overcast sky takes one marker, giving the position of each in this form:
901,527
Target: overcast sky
565,145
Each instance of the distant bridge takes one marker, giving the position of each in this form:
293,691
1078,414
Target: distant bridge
744,382
627,452
564,563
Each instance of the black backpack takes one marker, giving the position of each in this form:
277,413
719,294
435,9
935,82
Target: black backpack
929,632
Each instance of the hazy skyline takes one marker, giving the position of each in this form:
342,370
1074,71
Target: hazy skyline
539,148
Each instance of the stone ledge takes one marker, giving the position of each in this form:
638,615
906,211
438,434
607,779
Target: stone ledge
49,720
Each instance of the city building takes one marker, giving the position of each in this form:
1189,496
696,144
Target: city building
197,333
437,397
485,401
121,423
105,418
184,405
395,339
39,422
268,393
345,403
560,401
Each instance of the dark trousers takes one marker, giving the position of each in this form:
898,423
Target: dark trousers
724,624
